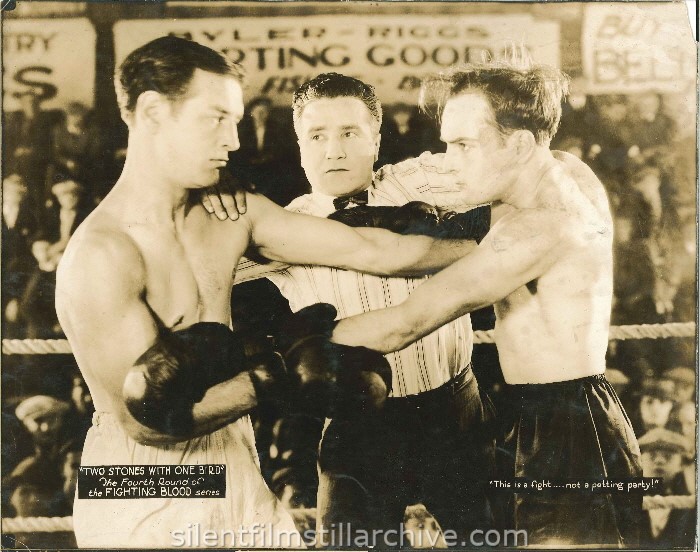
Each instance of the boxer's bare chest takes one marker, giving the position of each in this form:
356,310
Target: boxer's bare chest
189,273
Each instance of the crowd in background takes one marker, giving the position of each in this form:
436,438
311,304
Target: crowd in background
58,165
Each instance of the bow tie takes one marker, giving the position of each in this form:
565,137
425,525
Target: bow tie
360,198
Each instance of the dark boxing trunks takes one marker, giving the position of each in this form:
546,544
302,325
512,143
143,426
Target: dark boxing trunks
573,430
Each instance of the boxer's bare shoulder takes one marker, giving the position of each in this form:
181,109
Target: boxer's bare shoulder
99,244
587,183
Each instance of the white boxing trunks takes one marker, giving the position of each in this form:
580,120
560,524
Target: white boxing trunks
249,516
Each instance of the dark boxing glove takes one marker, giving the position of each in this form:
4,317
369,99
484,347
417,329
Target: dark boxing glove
178,369
472,225
326,377
419,218
414,217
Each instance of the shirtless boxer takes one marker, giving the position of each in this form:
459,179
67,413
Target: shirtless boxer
547,266
143,295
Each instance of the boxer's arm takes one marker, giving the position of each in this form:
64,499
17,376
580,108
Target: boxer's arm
101,307
299,239
521,248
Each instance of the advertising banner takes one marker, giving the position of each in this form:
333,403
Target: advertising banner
392,52
52,58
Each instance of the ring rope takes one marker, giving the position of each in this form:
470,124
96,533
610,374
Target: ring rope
37,524
636,331
55,524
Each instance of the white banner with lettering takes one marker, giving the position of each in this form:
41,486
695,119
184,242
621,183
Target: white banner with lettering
630,48
53,58
391,52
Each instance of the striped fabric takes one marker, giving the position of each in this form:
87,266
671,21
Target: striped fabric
429,362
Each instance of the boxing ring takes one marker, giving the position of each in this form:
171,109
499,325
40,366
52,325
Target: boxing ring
617,333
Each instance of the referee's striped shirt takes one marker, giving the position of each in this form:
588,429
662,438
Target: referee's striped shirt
430,361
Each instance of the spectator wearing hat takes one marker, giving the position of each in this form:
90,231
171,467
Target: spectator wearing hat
662,457
18,225
653,408
683,379
44,417
57,225
37,482
79,150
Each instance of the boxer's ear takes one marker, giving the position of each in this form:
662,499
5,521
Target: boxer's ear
151,107
523,143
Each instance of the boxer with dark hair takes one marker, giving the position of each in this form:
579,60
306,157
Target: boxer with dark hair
546,265
143,295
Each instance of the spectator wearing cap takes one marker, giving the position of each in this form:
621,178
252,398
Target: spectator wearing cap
79,150
654,405
662,456
37,481
44,417
57,226
683,379
19,224
70,208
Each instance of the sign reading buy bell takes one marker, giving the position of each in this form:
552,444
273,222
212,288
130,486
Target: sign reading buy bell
391,52
638,47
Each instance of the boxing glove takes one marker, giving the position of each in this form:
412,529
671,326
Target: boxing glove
471,225
327,377
414,217
419,218
174,374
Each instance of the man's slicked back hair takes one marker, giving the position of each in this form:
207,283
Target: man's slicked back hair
335,85
166,65
523,96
